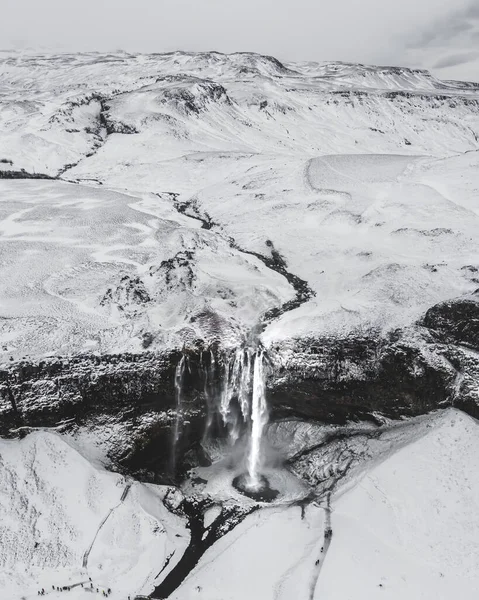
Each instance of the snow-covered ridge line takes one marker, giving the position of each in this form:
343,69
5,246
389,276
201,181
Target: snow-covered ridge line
243,63
57,110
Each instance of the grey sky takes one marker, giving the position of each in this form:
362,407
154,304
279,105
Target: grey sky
375,31
450,45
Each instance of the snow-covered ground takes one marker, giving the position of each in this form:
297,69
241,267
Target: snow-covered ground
409,527
404,523
379,238
404,520
272,554
182,182
66,520
87,269
363,178
404,526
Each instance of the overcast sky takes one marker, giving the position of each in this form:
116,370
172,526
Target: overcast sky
438,34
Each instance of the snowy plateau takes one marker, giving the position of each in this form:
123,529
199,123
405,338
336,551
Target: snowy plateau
239,329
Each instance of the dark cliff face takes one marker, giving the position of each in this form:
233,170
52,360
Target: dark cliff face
132,397
336,380
83,386
455,325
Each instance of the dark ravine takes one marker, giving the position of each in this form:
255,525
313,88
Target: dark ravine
99,135
277,263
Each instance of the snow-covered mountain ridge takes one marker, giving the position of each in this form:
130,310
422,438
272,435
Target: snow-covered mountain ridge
58,109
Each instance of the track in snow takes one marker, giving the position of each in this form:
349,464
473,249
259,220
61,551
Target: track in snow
86,555
327,536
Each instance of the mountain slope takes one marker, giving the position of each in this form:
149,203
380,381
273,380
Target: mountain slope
71,104
66,520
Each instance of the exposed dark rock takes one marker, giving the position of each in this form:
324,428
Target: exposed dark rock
191,95
465,389
127,295
133,396
148,339
22,174
176,273
190,209
456,321
336,380
119,127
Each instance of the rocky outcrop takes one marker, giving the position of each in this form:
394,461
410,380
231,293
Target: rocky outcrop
22,174
129,294
132,397
455,325
370,377
456,321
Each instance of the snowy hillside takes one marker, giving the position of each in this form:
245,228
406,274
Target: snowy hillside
194,243
404,530
372,226
65,520
404,523
403,526
57,110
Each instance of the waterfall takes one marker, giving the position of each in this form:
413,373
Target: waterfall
239,402
259,418
209,371
235,393
179,382
243,393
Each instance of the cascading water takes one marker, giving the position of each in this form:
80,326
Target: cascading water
209,371
235,393
243,392
179,382
259,419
